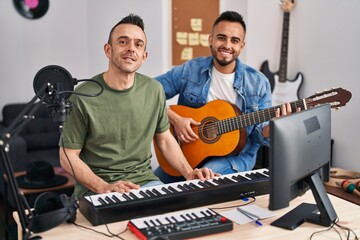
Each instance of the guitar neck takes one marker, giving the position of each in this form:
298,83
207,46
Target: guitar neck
245,120
284,47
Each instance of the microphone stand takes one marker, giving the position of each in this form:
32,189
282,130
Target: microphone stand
25,116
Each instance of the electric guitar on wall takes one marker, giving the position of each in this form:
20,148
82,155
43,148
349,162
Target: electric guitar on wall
283,90
223,128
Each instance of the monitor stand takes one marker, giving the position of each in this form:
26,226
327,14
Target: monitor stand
322,213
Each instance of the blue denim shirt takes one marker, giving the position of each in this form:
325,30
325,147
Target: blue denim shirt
191,81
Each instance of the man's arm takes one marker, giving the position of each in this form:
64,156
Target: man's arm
87,177
173,154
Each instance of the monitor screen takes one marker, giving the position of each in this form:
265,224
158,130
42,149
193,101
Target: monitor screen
299,158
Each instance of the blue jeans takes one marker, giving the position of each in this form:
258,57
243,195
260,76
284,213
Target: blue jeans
221,165
152,184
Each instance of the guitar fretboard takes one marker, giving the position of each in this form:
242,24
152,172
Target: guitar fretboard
245,120
284,48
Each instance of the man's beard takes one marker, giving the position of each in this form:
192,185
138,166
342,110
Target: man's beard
222,63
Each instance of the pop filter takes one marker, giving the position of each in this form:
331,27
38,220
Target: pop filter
60,79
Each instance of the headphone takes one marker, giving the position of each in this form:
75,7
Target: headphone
50,210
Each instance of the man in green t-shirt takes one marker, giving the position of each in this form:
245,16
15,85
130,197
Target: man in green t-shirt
106,140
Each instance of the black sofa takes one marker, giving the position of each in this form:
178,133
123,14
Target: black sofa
38,139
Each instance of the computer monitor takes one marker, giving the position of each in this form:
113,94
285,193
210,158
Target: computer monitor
299,158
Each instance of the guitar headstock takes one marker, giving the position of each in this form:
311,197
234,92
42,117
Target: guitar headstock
287,5
336,97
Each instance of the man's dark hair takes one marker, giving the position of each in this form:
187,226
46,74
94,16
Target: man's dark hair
230,16
130,19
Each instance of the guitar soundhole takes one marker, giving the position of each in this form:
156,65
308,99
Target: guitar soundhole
208,130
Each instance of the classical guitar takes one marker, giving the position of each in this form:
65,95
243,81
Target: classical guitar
223,127
283,90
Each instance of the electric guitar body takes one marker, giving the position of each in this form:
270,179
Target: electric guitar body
282,91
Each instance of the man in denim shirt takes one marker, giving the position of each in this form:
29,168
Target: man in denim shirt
221,76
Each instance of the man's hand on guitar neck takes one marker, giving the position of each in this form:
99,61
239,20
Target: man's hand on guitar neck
183,127
284,110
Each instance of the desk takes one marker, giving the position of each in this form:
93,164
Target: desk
348,213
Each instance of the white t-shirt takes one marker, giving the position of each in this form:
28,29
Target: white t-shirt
221,87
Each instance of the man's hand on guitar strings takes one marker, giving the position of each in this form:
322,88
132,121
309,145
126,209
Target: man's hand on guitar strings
202,174
184,129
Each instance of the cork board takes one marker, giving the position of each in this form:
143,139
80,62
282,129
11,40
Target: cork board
192,21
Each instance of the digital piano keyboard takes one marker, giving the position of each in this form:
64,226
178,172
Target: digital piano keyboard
180,225
112,207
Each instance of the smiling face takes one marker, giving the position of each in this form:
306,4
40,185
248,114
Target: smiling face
126,50
226,41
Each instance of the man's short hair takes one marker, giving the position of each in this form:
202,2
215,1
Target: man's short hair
130,19
230,16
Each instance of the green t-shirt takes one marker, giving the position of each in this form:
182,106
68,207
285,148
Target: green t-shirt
115,129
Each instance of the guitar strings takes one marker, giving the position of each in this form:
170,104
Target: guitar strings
229,123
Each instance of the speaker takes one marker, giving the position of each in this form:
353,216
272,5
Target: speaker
50,210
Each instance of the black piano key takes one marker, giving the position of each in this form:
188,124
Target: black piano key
188,187
146,223
196,216
204,213
152,221
133,196
109,200
194,186
227,180
102,201
209,183
166,190
183,188
260,175
115,198
219,181
127,197
254,176
173,218
150,193
157,192
211,213
144,194
189,216
184,217
203,184
173,189
238,178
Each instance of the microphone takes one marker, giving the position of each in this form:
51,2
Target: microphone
60,85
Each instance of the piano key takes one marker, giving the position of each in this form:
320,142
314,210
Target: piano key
115,198
151,194
109,200
102,201
174,190
157,192
127,197
183,187
144,194
133,196
194,193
